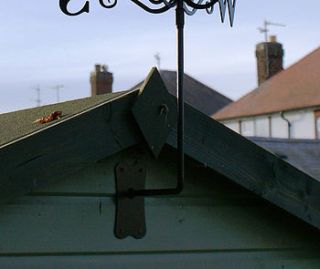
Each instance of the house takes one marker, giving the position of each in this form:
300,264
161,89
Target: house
285,105
242,207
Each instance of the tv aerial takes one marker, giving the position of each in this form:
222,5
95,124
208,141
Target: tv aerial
265,29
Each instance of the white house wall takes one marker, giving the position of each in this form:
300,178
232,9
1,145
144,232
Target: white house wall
276,125
233,125
262,127
303,124
279,127
248,127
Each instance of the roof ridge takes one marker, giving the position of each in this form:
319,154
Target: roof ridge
212,89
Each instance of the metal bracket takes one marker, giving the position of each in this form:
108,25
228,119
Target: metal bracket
130,213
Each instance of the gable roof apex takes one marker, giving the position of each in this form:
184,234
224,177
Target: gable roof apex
107,128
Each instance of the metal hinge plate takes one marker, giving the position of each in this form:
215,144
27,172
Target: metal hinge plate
130,212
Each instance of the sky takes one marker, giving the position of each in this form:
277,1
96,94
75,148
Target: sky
42,47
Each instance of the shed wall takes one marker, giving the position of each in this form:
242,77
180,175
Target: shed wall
212,224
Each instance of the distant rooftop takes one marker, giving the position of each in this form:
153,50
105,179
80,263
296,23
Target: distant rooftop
197,94
302,153
294,88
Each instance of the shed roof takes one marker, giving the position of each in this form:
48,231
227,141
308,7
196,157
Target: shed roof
294,88
20,123
104,127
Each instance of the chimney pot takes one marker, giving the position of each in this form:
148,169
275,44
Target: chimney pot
98,68
273,39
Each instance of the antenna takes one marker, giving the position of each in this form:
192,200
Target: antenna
158,59
265,29
38,93
58,88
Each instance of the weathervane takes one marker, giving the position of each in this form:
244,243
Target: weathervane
182,7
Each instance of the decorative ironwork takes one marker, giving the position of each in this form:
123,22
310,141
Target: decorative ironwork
182,7
160,6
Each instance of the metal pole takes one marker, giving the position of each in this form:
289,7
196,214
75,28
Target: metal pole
180,20
180,93
266,31
181,8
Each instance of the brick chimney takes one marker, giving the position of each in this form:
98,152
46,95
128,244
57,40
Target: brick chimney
269,59
101,80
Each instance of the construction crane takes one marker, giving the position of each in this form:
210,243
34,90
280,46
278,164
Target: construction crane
265,29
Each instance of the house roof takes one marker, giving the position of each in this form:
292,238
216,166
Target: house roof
197,94
294,88
302,153
103,128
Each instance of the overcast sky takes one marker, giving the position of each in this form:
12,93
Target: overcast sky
41,46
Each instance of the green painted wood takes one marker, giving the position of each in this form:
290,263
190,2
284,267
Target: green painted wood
155,111
198,229
188,260
98,180
252,167
172,225
63,223
67,147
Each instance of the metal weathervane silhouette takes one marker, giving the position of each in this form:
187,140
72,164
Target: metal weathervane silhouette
182,7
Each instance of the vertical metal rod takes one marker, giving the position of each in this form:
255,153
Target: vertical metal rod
180,19
266,30
180,94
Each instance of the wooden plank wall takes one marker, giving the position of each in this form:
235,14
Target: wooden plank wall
213,224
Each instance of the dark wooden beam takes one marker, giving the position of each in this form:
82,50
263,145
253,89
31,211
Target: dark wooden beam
251,166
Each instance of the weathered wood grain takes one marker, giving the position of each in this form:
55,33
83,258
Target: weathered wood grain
250,166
